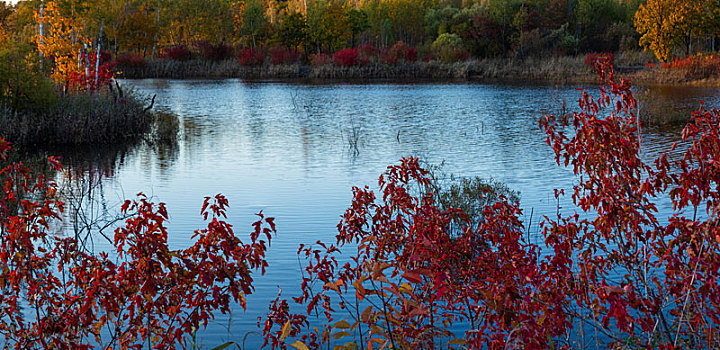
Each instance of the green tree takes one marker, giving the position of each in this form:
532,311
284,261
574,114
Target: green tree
502,13
448,47
520,20
407,18
23,85
594,18
328,24
253,19
5,10
293,30
712,23
358,20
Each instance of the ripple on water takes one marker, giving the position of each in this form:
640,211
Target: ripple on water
289,150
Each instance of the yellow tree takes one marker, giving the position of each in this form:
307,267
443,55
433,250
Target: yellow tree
653,22
61,42
4,37
664,24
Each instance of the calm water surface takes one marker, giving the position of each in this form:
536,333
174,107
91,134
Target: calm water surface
295,151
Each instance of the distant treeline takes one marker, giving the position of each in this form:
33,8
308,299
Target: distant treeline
477,28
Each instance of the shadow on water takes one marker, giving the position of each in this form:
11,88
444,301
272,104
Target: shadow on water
667,107
103,160
92,211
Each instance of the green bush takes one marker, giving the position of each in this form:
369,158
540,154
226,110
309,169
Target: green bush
470,194
449,48
23,86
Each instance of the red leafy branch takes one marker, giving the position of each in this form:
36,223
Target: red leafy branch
148,295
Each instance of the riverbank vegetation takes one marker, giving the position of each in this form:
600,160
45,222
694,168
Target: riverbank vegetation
322,38
558,69
53,94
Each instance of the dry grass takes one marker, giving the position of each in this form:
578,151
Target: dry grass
634,58
559,69
197,68
564,69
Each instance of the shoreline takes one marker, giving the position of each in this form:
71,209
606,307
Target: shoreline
563,70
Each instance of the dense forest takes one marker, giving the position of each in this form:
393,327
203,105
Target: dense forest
446,29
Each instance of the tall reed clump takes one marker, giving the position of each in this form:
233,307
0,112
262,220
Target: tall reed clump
78,118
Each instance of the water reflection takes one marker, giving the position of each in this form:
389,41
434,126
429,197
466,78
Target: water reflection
673,104
288,149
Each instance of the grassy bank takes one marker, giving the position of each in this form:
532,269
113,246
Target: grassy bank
559,69
564,69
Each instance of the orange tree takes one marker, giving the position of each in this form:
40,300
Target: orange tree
61,43
58,294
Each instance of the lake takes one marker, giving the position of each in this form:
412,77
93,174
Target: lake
294,151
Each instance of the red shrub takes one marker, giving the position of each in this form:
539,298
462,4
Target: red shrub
85,79
620,270
346,57
428,58
251,57
694,62
411,54
400,51
594,56
150,294
696,67
320,59
389,58
281,55
105,56
212,52
175,53
127,59
462,56
367,53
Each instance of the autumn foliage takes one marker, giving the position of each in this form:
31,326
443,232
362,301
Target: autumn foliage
593,57
127,59
346,57
281,55
176,53
400,51
396,276
214,52
57,293
61,43
698,67
404,271
251,57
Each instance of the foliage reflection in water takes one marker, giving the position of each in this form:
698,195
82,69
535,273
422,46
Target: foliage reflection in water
283,148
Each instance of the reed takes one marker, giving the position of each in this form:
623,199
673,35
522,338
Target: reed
556,69
553,68
80,118
199,68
